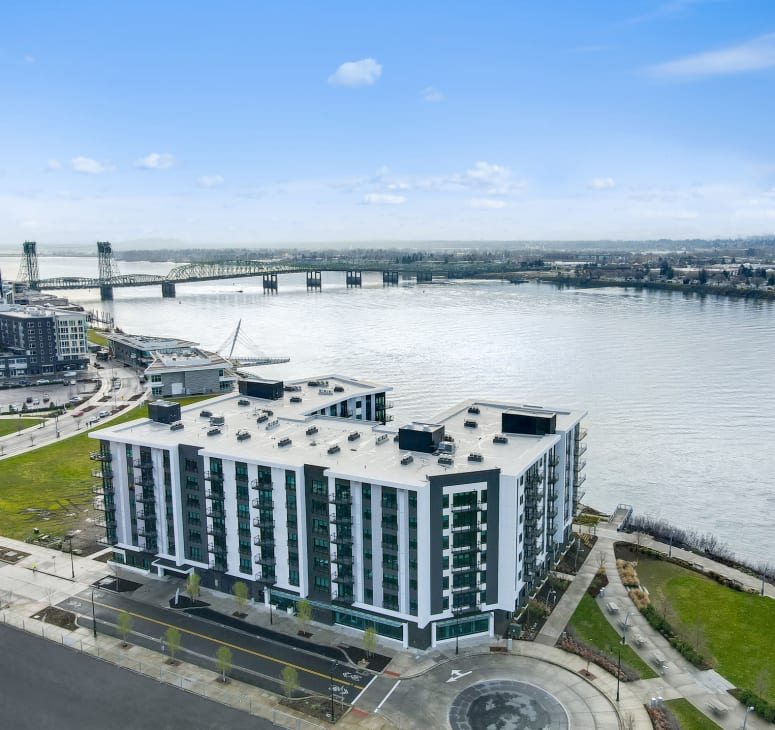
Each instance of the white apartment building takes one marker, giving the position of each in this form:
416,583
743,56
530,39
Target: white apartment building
304,489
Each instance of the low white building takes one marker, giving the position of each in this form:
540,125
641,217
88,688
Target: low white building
303,490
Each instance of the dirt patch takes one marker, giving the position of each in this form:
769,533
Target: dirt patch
118,585
57,617
7,555
317,707
239,614
185,602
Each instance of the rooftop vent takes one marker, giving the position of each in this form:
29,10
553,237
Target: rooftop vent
272,424
474,456
382,438
268,412
243,402
325,391
354,436
334,449
500,439
217,420
295,399
318,383
446,447
338,389
470,424
447,437
284,442
408,459
214,431
474,409
177,426
242,434
263,417
292,388
205,414
446,460
311,430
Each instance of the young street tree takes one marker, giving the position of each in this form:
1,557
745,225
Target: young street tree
303,614
192,586
290,681
173,639
241,594
124,625
369,641
223,661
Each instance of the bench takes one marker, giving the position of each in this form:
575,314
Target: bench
612,607
638,640
660,661
718,708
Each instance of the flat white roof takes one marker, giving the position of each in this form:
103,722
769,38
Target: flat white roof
373,456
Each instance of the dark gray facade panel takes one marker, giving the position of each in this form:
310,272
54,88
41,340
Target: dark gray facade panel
312,472
419,638
435,549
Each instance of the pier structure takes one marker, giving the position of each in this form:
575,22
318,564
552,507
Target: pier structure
390,278
314,280
354,278
269,282
424,277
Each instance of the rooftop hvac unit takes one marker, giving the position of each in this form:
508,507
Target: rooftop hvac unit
205,414
334,449
381,439
214,431
325,391
292,388
295,399
500,439
284,442
243,402
474,409
475,457
311,430
338,389
217,420
263,417
242,434
177,426
446,460
408,459
447,437
470,424
272,424
354,436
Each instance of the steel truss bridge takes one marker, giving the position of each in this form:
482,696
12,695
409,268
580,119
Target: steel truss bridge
110,278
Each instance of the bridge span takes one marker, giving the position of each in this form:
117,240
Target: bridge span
110,278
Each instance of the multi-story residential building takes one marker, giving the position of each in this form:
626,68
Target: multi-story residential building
43,340
304,490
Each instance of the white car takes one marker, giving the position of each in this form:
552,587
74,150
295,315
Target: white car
76,399
103,414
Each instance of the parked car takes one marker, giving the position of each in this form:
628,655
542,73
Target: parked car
76,399
103,414
42,381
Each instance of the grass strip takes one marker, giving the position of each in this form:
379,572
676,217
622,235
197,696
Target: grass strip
689,717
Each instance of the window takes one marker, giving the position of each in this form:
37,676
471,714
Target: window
321,582
195,553
293,577
244,565
445,501
156,378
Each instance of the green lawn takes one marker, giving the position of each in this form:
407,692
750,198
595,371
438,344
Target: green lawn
50,488
689,716
12,425
590,626
735,628
95,337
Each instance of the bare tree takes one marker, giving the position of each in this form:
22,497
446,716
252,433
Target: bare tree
223,661
290,681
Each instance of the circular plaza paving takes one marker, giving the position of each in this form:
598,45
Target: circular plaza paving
497,692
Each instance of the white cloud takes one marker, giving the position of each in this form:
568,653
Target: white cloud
356,73
90,166
156,161
486,174
210,181
53,165
432,95
754,55
486,203
383,199
602,183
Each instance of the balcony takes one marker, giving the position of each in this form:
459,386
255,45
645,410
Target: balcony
265,484
342,540
264,580
343,578
146,480
344,500
342,519
219,530
214,494
321,550
263,522
217,513
465,548
476,565
465,507
216,477
146,498
143,464
264,541
582,434
464,528
269,560
105,473
147,532
553,478
554,461
101,456
344,596
477,586
343,559
263,503
579,466
582,478
581,449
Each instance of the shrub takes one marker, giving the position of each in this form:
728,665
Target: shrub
686,650
761,707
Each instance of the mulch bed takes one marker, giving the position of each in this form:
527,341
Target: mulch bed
57,617
317,707
117,585
185,602
8,555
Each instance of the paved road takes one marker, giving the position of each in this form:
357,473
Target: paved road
257,661
45,686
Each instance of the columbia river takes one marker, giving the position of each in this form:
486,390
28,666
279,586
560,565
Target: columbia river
680,390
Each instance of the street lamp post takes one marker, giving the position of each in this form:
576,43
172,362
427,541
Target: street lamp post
747,710
333,667
72,565
625,627
93,616
618,670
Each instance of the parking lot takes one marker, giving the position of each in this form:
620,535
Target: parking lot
48,394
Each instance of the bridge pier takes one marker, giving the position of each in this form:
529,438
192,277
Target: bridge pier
354,278
314,280
424,277
389,278
269,282
106,292
168,289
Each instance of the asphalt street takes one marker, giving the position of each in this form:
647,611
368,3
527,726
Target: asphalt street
48,687
257,661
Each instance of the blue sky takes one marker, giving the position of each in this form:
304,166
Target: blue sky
292,122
